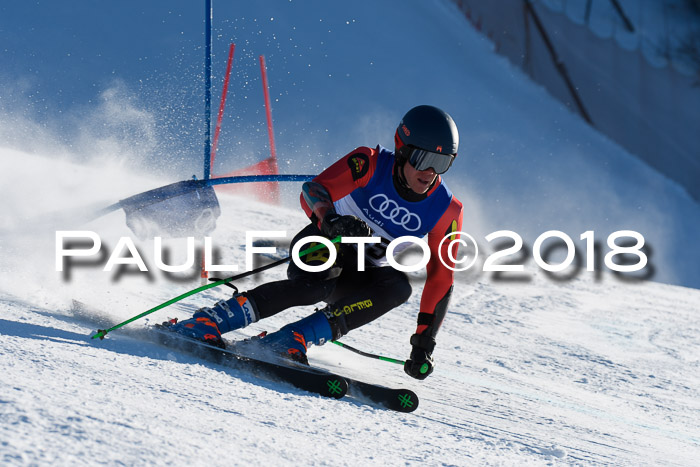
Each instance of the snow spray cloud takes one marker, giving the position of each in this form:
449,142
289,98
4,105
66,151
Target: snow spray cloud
55,169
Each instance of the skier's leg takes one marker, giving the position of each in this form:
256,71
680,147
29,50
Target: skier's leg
362,297
365,297
302,288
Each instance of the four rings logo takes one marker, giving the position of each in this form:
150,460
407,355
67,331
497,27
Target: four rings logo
390,210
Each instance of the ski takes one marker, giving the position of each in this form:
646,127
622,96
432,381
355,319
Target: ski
316,380
400,400
310,379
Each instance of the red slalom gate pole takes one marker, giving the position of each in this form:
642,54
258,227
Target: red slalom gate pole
270,131
268,111
220,117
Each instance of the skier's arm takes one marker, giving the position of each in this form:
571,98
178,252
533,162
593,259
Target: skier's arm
316,202
438,285
436,293
350,172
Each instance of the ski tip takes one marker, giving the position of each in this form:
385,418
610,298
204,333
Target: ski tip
406,401
335,387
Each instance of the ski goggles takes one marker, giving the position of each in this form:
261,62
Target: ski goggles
421,159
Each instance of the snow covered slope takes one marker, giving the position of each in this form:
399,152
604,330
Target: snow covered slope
581,372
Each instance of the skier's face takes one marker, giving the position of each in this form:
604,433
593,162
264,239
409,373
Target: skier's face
418,180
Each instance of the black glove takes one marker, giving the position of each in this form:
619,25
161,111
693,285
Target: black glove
420,364
346,226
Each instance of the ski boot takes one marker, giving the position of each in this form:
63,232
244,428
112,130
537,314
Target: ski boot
207,324
293,340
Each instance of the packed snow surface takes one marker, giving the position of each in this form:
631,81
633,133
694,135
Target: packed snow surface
582,372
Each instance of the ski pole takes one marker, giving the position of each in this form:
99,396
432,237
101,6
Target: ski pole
370,355
101,333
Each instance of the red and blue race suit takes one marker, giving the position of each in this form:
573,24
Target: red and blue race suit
363,184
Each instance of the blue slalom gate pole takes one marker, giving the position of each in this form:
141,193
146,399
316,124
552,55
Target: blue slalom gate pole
139,202
207,89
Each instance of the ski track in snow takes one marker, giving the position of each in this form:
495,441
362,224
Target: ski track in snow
582,372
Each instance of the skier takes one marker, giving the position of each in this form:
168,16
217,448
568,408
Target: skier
369,192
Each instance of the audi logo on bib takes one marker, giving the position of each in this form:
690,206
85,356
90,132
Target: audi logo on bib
391,211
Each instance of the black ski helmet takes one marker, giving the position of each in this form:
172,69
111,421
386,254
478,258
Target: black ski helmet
428,128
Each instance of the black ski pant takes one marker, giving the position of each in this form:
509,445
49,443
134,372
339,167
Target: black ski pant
355,297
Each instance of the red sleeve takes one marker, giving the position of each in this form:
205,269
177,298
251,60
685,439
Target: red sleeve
440,278
352,171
